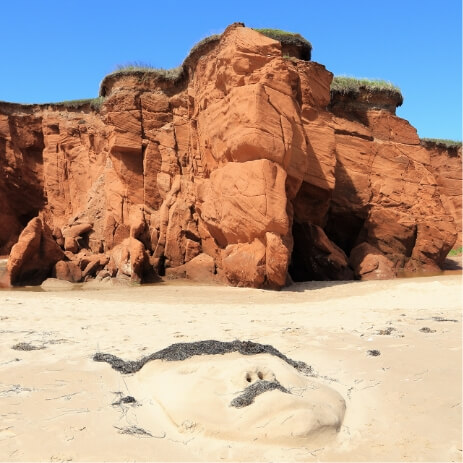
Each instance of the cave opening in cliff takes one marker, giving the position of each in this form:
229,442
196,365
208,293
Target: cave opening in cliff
315,257
161,268
308,259
301,267
344,229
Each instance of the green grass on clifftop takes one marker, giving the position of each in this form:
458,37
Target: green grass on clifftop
94,103
206,40
284,36
289,38
131,68
442,142
346,85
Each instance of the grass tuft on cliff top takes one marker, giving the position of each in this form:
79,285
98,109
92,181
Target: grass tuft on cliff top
206,40
139,67
289,38
94,103
284,36
442,142
346,85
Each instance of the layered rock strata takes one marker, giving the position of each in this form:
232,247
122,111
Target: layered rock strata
239,169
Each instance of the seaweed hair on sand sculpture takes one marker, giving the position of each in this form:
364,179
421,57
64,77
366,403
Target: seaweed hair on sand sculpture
185,350
234,396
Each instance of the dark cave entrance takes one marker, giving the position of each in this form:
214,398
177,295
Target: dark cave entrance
317,257
302,266
345,229
311,259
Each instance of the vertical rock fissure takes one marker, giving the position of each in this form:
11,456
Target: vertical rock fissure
280,116
144,145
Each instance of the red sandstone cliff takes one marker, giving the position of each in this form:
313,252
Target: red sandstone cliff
241,169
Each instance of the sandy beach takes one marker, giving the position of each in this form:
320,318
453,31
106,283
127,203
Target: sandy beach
385,383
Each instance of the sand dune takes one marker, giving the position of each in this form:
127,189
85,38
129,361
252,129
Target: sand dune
403,404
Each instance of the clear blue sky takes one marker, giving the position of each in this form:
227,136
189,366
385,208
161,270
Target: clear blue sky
60,50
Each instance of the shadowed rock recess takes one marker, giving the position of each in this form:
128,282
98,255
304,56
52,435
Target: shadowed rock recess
240,168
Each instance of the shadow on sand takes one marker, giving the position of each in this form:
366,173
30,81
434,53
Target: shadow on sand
303,286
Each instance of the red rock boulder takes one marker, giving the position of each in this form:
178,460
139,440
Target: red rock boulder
128,260
32,258
369,263
201,268
67,271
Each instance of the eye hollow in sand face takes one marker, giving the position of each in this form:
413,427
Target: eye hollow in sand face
233,396
258,374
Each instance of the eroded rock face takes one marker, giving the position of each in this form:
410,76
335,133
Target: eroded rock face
446,166
242,169
388,187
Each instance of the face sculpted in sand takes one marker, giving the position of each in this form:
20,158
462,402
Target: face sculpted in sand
233,390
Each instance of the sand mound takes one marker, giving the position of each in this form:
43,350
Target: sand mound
234,396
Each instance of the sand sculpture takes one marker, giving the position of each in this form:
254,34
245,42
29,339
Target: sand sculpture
241,168
230,396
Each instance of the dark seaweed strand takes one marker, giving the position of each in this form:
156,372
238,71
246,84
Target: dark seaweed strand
252,391
125,400
185,350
